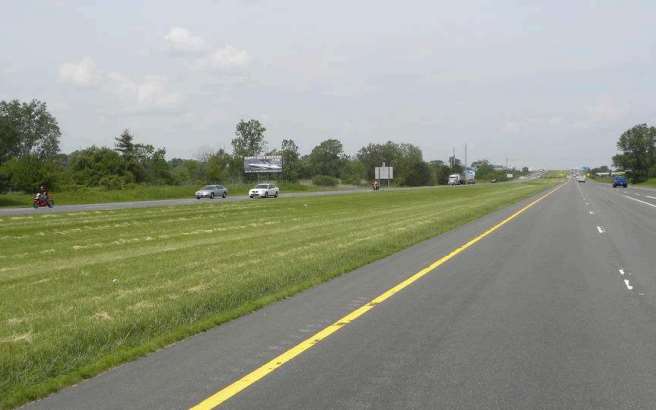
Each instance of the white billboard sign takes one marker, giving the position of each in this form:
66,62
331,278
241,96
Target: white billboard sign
384,172
269,163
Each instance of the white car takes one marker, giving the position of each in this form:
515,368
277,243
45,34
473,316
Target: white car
580,178
264,191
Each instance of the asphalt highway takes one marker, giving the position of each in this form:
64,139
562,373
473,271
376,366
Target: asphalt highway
554,308
152,204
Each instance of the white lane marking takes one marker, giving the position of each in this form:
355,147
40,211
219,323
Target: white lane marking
641,201
622,272
636,194
591,212
651,197
600,229
628,285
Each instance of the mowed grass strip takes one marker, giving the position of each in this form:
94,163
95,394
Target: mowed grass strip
82,292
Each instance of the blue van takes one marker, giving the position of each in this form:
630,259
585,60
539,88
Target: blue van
619,180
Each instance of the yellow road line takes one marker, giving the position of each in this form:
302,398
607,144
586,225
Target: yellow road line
233,389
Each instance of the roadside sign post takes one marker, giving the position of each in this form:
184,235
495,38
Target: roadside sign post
384,172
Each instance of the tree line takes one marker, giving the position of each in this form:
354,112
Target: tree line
30,155
637,152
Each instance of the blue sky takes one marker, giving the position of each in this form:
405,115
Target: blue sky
545,83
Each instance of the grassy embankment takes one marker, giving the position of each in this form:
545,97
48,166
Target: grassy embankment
650,183
555,174
82,292
143,193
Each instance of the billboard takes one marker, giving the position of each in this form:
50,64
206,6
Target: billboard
264,164
384,172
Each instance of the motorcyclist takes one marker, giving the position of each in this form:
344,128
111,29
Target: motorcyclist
43,195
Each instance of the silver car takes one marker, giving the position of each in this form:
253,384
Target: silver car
212,191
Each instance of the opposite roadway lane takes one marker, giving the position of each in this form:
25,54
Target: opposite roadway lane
152,204
555,309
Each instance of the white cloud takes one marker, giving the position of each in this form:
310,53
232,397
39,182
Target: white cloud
82,74
182,40
206,57
151,92
226,58
607,108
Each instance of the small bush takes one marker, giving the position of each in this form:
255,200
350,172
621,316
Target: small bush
112,182
352,180
325,180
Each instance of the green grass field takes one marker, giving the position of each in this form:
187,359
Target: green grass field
650,183
82,292
144,193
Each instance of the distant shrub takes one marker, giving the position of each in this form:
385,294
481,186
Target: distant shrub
325,180
112,182
352,180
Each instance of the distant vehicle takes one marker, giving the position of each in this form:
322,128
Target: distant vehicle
493,180
470,176
264,191
619,180
580,178
455,179
212,191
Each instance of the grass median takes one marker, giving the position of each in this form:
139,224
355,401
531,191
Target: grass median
82,292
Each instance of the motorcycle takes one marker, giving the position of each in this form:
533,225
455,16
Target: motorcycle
41,201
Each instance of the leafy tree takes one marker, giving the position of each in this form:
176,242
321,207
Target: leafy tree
30,171
327,158
143,162
373,155
353,171
417,173
638,151
157,170
484,170
125,145
91,165
27,129
410,168
290,159
217,166
9,141
29,143
181,175
407,160
304,168
249,139
128,151
439,172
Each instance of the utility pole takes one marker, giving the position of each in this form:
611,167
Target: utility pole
465,156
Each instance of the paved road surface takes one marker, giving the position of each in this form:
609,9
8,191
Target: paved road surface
154,204
554,310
